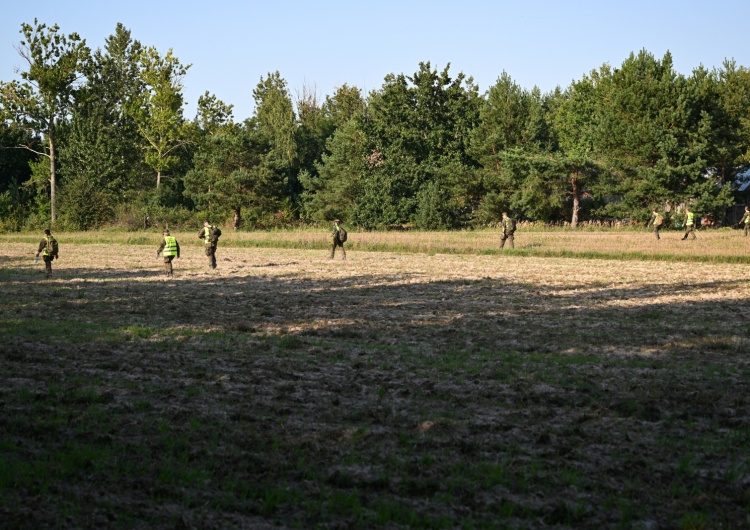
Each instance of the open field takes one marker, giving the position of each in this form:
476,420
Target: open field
712,246
445,385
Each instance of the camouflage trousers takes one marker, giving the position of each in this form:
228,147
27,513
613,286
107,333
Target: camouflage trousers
688,231
507,237
48,264
656,231
333,249
168,265
211,254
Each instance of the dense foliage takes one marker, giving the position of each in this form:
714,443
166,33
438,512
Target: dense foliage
425,150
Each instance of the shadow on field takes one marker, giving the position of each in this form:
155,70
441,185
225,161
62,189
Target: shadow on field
488,314
390,400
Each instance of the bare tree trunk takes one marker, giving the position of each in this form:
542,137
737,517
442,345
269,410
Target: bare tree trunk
158,178
52,173
237,218
576,201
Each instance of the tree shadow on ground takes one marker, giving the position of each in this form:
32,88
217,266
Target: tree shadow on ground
517,402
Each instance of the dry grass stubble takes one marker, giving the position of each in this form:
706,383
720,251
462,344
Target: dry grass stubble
391,389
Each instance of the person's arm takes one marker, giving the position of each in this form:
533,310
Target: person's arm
178,247
161,247
42,244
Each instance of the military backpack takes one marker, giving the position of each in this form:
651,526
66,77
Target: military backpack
214,233
342,235
51,248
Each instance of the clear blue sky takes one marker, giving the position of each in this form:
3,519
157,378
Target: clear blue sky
326,43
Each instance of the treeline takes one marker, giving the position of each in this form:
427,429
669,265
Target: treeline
96,138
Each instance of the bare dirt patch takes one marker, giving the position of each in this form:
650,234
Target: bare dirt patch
392,390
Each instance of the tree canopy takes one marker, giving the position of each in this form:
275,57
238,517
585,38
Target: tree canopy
424,150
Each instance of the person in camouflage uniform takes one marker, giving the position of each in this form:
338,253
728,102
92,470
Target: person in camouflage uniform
746,220
509,228
336,240
49,250
657,221
210,236
171,249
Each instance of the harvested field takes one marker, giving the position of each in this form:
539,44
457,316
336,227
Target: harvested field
391,390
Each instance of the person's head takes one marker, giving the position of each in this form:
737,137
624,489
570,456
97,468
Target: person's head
166,232
47,231
747,208
653,211
206,223
337,221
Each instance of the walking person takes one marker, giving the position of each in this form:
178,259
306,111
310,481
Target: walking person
509,228
171,249
338,238
657,221
689,224
210,236
49,250
746,220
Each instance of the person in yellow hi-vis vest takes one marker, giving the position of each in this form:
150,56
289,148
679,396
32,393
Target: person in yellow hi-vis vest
171,249
210,235
689,224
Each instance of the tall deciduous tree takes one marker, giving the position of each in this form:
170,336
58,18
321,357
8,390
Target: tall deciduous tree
43,98
101,154
157,109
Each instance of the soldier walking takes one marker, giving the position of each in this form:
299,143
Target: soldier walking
210,236
657,221
689,224
171,248
49,250
338,237
509,228
746,220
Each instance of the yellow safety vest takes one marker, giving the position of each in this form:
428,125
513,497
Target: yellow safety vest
170,249
206,235
48,238
690,219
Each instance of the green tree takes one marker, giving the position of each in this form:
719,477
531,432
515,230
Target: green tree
328,188
101,150
416,126
574,130
43,98
14,172
157,107
332,195
730,87
346,103
656,126
276,121
511,123
231,175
